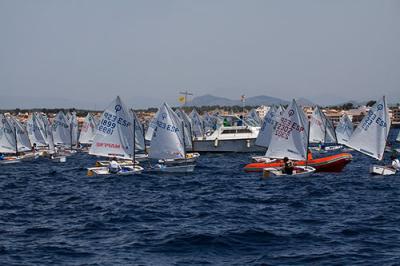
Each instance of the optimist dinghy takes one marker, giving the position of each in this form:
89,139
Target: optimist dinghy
371,134
290,139
168,143
115,137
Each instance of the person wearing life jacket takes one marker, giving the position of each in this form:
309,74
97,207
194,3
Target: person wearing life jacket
287,166
2,156
114,166
309,155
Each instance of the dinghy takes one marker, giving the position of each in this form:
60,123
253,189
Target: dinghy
371,135
168,143
382,170
14,141
290,140
344,129
125,170
322,132
297,171
115,137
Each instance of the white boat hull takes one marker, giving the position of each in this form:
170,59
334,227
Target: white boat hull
298,171
227,145
126,170
173,168
381,170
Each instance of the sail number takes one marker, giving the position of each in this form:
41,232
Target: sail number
372,117
285,127
110,121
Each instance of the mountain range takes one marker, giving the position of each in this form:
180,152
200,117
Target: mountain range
210,100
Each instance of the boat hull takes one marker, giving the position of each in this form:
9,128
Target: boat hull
298,171
381,170
173,168
333,163
228,145
104,171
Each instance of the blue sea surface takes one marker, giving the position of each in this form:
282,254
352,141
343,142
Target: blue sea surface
52,213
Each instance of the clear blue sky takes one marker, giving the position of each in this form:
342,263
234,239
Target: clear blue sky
88,51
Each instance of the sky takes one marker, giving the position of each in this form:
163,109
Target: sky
86,52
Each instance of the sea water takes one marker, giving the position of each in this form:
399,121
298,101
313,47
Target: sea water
52,213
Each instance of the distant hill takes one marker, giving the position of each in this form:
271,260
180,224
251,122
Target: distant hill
209,100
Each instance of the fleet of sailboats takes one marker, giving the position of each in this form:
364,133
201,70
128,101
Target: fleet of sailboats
172,138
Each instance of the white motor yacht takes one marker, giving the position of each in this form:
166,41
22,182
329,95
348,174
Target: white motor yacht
232,135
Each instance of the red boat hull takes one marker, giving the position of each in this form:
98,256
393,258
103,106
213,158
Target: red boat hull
333,163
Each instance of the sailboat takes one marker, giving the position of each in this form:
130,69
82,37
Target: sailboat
344,129
265,133
290,139
197,124
187,126
88,130
371,135
36,131
14,140
322,131
168,143
115,137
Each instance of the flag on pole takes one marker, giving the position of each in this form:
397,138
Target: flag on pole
182,99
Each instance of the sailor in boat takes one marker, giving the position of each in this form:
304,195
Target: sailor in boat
321,146
395,163
34,147
288,166
2,156
114,166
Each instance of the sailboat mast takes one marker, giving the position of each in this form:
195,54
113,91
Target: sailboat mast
184,144
308,141
70,133
16,141
134,141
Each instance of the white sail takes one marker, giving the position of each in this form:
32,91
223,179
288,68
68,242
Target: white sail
187,127
290,136
73,121
61,130
371,134
152,126
114,133
209,122
344,129
253,116
197,124
167,141
88,130
23,141
36,130
139,135
7,136
398,137
267,127
321,128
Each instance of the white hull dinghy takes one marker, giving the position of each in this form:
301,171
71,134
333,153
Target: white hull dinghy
371,135
381,170
168,144
116,137
297,171
187,168
290,141
125,170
